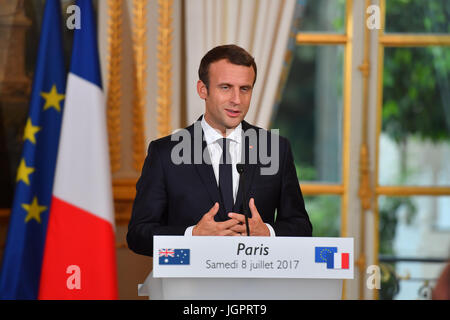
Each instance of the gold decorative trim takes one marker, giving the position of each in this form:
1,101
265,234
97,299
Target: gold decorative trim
140,80
366,195
121,245
317,189
123,211
361,265
321,39
124,192
113,99
347,103
380,67
164,48
412,191
347,116
124,189
409,40
365,191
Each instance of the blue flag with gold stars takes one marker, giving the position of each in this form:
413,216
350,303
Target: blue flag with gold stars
22,258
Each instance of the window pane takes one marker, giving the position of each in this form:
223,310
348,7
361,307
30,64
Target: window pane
325,215
412,16
410,244
442,222
405,280
323,16
415,138
310,112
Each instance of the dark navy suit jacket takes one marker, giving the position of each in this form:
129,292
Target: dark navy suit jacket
171,197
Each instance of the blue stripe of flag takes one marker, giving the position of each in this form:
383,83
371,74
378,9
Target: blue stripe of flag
22,258
85,61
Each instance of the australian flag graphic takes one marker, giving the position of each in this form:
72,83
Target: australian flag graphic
174,256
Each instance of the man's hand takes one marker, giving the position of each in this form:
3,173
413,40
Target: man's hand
256,224
207,226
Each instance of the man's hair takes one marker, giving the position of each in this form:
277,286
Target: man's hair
233,53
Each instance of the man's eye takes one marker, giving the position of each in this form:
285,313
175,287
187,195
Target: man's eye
224,87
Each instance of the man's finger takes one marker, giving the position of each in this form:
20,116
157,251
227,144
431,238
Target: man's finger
253,209
239,228
214,209
229,232
237,216
228,224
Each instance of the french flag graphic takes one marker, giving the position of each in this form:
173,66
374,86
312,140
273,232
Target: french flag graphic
79,256
338,260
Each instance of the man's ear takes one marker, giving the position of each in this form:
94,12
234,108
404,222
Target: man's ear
202,90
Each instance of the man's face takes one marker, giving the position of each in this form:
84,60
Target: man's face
228,98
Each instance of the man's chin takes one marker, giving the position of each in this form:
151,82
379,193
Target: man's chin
233,123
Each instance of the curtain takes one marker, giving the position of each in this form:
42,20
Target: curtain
259,26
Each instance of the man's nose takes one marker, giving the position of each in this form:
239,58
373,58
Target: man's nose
236,98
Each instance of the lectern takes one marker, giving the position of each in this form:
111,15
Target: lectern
248,268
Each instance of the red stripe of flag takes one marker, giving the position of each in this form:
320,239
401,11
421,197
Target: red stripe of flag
77,238
345,260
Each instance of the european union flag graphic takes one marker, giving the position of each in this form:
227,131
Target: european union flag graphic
174,256
22,259
322,252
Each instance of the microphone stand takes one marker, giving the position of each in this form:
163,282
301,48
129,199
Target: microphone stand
240,169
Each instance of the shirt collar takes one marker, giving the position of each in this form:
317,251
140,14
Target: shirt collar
211,134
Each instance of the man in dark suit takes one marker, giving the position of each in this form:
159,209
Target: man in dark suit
190,184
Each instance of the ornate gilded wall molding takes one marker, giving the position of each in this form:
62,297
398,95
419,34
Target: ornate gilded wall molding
114,81
139,80
365,192
164,48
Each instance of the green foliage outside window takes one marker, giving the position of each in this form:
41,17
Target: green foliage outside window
416,104
324,215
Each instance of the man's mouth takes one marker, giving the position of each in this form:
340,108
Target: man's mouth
232,113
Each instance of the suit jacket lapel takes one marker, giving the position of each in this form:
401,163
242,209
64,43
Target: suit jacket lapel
206,173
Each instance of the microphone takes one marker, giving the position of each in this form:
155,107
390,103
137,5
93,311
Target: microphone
240,168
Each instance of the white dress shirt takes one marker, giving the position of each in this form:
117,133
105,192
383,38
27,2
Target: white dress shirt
213,138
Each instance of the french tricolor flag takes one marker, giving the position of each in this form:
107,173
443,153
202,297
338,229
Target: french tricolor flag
79,255
338,260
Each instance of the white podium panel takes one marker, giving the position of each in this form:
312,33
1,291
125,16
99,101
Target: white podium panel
240,289
235,268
